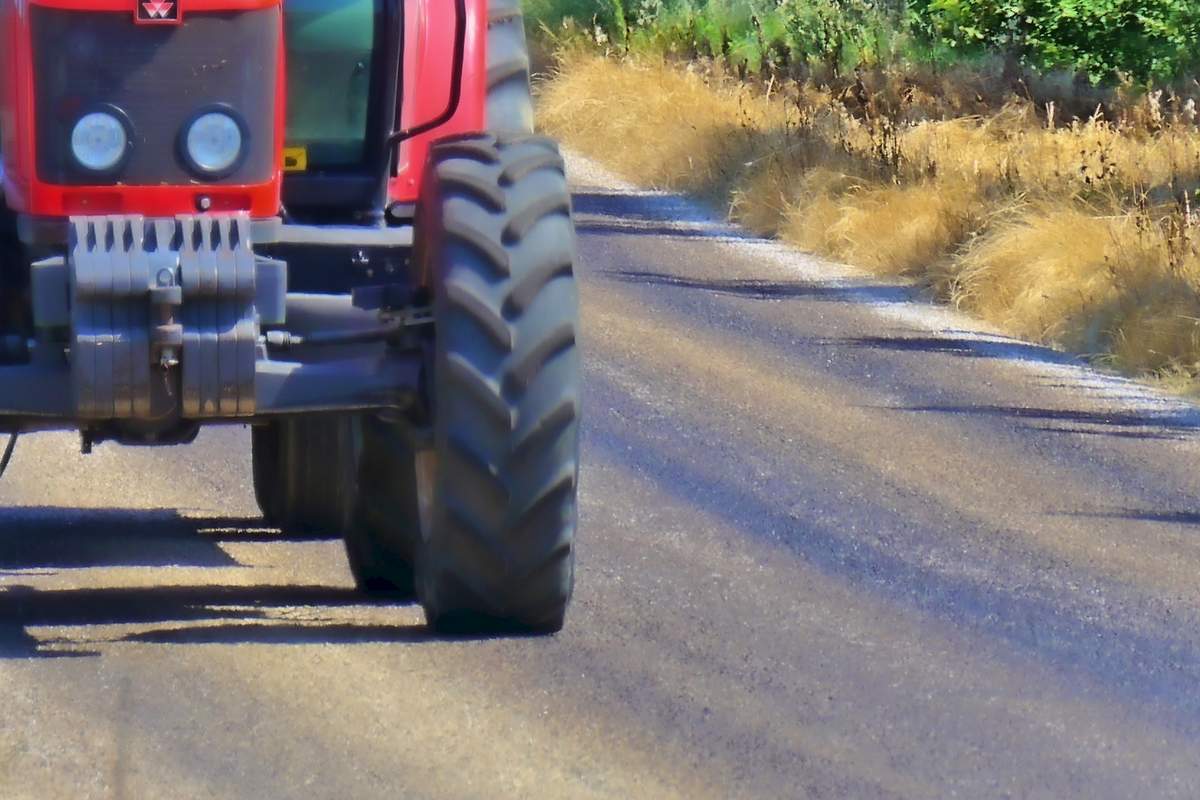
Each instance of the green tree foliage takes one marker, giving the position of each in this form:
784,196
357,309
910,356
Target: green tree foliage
1141,40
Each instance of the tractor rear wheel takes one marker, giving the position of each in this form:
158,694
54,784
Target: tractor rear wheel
297,478
382,529
268,482
509,102
498,505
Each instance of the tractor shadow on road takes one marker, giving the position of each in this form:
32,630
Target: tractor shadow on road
234,608
197,614
39,542
66,538
49,537
208,614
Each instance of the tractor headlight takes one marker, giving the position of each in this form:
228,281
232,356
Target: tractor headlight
213,143
100,141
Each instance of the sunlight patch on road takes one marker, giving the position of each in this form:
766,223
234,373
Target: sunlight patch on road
722,378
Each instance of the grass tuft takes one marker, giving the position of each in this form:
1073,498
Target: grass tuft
1072,229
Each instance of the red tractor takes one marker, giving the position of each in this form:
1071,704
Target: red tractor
328,219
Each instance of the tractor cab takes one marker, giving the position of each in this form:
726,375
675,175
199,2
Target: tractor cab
342,70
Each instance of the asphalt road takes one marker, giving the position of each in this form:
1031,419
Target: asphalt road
834,543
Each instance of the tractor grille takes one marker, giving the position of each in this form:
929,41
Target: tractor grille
160,76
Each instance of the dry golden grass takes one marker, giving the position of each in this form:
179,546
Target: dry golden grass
887,229
1115,286
608,110
1077,233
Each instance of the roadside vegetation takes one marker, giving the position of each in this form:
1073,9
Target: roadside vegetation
1038,169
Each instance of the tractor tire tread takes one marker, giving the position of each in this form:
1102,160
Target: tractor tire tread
474,304
503,541
509,98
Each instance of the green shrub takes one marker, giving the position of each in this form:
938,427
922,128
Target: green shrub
1142,40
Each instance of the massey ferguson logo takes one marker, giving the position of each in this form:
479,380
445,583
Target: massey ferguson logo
158,12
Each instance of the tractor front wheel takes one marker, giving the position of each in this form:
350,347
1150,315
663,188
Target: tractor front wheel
498,508
509,101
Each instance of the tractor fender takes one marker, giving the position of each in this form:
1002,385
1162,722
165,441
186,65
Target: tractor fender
427,77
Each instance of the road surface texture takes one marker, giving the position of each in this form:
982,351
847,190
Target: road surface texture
834,543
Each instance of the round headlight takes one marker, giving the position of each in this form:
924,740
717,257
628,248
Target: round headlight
99,141
213,142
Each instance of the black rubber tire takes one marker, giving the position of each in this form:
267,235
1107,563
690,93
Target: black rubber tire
298,477
268,480
509,100
382,529
495,237
15,299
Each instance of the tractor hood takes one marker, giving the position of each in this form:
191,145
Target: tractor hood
123,107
